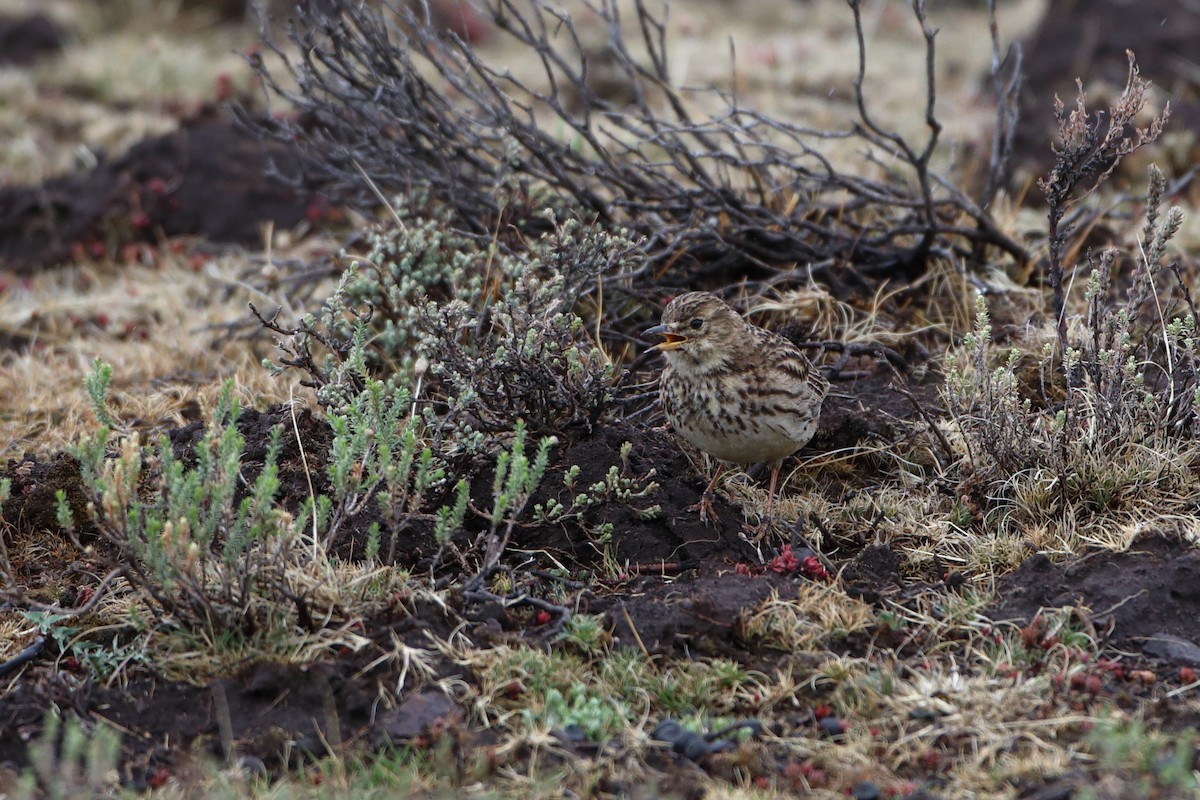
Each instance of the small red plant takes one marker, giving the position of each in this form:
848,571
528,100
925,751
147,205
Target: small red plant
785,563
158,777
812,568
156,185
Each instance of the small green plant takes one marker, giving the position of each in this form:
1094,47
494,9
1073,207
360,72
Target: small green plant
380,452
987,402
588,632
617,486
192,546
98,382
1053,643
102,661
67,761
513,484
1158,764
599,717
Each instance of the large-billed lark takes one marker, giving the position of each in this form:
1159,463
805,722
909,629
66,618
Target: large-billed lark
739,393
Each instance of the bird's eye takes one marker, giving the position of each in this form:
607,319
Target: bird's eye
697,324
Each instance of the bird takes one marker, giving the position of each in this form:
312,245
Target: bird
736,391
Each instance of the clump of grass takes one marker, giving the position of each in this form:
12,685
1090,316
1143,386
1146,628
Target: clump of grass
817,613
607,693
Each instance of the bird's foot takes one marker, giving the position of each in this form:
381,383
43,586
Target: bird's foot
705,507
757,533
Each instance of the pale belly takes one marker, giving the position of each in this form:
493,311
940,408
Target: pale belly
738,429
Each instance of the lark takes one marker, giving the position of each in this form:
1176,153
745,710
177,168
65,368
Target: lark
738,392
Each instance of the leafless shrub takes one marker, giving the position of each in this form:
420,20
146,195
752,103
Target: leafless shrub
1090,147
390,107
1007,91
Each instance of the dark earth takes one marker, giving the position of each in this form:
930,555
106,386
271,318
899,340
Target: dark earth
686,584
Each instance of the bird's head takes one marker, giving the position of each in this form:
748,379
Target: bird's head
699,331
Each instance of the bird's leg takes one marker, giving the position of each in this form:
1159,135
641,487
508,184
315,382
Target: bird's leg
769,516
771,489
707,512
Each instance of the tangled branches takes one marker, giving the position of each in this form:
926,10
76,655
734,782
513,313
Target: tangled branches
387,103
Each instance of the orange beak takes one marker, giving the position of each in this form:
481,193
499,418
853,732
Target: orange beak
673,341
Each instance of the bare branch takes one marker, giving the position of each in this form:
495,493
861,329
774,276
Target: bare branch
418,110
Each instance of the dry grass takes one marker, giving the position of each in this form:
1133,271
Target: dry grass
153,324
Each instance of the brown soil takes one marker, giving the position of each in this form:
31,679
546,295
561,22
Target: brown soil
25,39
1145,600
207,180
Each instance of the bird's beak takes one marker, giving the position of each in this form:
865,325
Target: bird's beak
674,341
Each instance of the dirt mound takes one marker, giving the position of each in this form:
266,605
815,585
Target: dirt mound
697,617
207,179
25,39
1146,599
